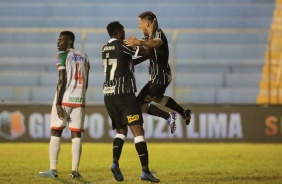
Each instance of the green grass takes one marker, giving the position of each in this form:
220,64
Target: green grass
204,163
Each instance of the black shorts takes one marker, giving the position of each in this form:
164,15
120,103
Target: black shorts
151,91
124,110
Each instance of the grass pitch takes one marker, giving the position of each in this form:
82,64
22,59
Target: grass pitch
203,163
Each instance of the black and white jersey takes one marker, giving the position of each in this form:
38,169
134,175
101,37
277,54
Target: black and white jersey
118,68
159,68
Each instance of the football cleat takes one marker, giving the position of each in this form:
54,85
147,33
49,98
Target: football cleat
75,175
49,174
187,116
149,177
171,122
116,172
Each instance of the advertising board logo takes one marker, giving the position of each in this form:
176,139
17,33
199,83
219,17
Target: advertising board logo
11,125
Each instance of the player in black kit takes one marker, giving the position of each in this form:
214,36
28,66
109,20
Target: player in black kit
159,69
120,100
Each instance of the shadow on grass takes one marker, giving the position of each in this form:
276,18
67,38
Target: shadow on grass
72,181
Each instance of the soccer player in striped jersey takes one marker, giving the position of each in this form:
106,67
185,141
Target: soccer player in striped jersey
159,69
120,100
69,103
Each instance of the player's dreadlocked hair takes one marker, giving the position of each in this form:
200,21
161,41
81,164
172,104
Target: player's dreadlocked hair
69,34
114,28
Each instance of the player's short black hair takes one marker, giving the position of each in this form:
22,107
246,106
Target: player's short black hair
148,15
69,34
114,27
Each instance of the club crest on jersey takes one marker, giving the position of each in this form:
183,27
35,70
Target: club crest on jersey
148,98
130,119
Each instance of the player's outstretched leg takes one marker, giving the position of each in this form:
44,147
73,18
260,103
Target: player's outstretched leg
172,104
116,172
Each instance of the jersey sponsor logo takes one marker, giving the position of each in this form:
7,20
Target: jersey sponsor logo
108,90
12,125
130,119
76,99
107,48
77,57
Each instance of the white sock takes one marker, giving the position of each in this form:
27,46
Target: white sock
138,139
76,152
121,136
54,150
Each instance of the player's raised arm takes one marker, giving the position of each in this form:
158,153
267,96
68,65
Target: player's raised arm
151,43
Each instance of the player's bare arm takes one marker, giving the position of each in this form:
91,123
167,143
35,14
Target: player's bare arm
151,43
60,93
131,41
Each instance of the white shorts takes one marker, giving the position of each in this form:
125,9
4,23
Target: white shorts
76,114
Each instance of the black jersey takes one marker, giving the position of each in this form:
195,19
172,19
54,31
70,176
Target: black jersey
118,68
159,68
